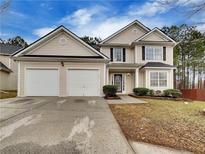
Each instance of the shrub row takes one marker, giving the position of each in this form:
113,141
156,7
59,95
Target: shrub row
111,90
175,93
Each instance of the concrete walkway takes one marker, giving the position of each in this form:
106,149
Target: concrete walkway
145,148
125,99
56,125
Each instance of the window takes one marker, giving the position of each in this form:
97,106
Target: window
158,79
153,53
117,54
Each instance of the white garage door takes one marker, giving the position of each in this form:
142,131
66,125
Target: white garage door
83,83
42,82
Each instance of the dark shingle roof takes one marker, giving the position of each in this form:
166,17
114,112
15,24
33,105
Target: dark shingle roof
157,64
8,49
4,68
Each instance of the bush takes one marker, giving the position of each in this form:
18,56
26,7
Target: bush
141,91
151,92
158,92
110,90
175,93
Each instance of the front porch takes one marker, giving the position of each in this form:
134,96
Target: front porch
129,76
125,77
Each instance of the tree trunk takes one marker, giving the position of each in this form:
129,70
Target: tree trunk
194,76
175,80
187,80
199,79
183,72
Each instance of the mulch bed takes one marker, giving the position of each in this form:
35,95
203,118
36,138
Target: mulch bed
112,98
161,98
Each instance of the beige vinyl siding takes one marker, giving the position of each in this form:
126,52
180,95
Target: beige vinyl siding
128,36
141,79
130,82
53,46
62,73
154,36
169,55
11,79
4,80
129,53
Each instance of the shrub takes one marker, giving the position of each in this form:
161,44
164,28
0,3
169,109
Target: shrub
110,90
175,93
158,92
151,92
141,91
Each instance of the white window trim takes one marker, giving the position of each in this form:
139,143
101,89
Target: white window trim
114,59
158,79
153,59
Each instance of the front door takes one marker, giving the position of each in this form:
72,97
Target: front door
118,81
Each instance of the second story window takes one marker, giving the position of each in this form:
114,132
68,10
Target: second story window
118,54
153,53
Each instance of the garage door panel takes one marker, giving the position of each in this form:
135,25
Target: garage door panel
42,82
83,82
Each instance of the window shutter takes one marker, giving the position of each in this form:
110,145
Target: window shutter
124,55
143,52
111,54
164,53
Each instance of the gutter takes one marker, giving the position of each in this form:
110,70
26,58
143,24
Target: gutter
56,59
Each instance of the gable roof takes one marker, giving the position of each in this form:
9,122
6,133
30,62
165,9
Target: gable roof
159,31
124,28
52,33
8,49
4,68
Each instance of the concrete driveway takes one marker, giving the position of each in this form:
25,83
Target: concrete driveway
59,125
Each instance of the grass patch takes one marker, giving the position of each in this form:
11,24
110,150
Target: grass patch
164,122
8,94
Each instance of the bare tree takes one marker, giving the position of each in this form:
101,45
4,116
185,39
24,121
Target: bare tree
193,8
4,5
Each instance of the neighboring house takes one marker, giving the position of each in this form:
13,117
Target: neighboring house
8,68
140,57
61,64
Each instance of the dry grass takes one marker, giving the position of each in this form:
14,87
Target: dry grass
7,94
168,123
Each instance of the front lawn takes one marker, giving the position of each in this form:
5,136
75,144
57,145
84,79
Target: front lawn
169,123
8,94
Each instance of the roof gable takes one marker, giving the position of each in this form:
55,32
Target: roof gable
155,35
60,42
62,45
127,34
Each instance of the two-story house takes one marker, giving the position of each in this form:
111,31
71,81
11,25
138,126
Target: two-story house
139,57
61,64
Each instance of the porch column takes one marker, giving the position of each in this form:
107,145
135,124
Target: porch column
136,77
107,76
146,79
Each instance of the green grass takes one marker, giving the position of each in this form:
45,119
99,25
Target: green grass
8,94
164,122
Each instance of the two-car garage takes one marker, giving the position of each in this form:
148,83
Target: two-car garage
60,64
46,82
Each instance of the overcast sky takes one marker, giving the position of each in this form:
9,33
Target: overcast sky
32,19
